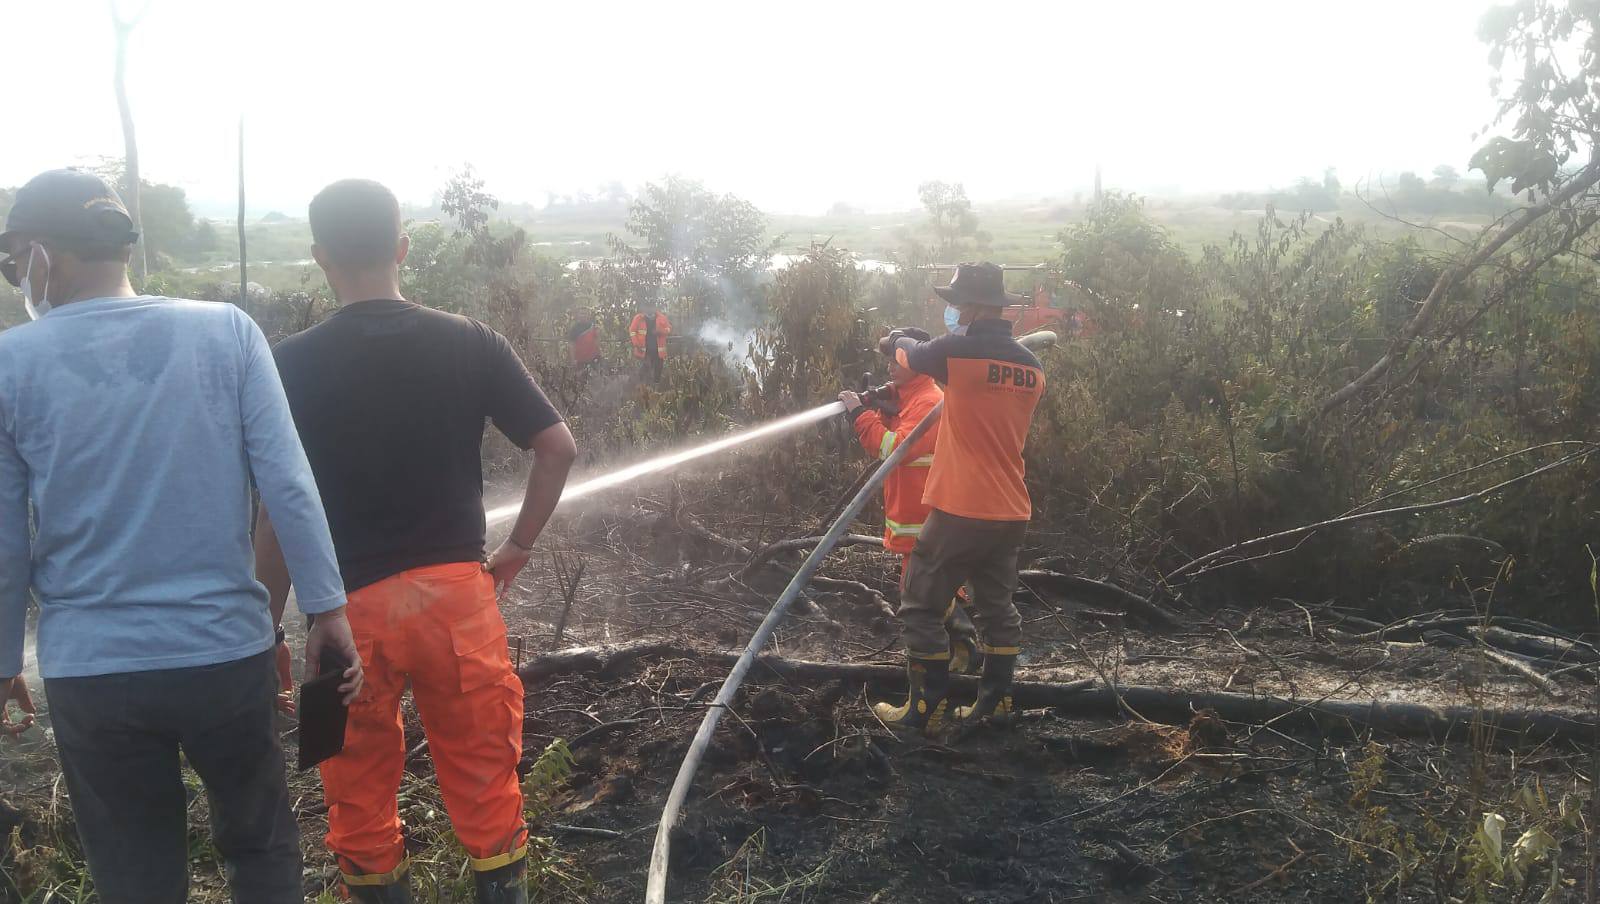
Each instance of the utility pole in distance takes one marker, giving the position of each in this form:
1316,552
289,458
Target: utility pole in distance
244,283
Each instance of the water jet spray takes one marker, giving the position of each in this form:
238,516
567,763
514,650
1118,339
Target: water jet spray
674,459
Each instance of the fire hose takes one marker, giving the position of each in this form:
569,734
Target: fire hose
660,853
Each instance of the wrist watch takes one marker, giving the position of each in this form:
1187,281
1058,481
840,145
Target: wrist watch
281,637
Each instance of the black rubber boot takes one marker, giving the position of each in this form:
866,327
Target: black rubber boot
994,691
505,885
395,893
924,709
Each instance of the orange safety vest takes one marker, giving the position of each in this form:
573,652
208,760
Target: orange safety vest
638,332
903,509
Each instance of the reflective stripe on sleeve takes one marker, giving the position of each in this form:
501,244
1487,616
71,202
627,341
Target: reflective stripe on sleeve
903,530
887,445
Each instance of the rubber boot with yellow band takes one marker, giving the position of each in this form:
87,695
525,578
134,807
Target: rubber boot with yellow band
928,686
503,885
398,892
994,690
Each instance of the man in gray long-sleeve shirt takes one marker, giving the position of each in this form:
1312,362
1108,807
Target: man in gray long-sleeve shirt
132,428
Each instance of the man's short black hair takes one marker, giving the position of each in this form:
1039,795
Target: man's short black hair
356,223
94,253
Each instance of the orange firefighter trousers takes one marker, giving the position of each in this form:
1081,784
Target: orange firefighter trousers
438,627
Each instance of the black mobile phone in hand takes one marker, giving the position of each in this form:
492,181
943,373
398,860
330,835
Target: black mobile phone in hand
322,712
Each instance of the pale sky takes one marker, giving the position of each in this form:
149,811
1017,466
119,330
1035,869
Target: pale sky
791,105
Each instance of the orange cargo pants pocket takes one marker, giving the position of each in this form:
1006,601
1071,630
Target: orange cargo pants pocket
479,642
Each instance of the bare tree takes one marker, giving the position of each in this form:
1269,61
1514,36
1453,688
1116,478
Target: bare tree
130,189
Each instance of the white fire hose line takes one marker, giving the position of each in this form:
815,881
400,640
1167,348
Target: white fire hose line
660,853
672,460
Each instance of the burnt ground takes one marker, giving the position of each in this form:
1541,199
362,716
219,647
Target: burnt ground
804,796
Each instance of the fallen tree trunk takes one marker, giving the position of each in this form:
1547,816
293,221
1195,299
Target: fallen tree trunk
1086,696
587,660
613,658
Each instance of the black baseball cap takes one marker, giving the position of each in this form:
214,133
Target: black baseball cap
72,206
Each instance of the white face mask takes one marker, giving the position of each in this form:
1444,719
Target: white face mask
43,307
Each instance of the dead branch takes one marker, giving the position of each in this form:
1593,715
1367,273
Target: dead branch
1277,873
1548,642
1393,215
1465,471
601,729
691,525
585,831
1216,554
567,581
1521,668
1580,667
1583,181
796,545
863,593
1133,603
1544,646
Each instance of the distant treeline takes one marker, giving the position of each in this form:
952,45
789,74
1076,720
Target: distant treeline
1445,193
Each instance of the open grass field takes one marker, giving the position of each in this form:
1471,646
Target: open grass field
1020,233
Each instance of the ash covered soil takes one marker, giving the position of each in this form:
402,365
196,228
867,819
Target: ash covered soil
804,796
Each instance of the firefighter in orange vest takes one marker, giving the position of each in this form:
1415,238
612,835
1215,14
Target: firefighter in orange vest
882,417
649,334
980,501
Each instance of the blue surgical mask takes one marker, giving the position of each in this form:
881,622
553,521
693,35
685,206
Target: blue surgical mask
952,320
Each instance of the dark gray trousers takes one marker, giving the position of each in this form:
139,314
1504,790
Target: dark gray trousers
119,737
950,552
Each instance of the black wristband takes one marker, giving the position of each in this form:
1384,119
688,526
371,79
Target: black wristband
279,635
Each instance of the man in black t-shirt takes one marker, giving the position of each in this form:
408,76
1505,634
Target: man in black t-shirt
390,399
